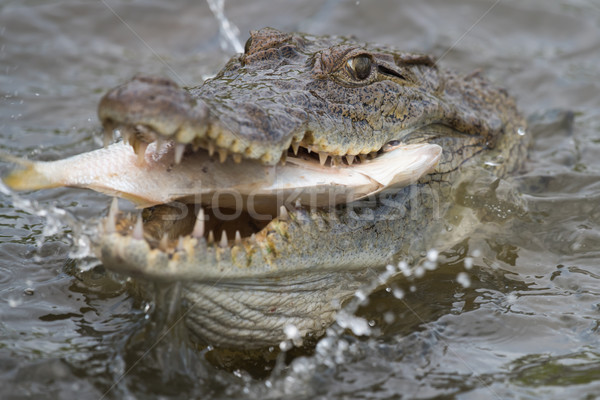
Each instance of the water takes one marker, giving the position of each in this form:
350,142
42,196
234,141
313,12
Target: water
512,311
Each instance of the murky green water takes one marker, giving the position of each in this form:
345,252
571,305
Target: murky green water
528,324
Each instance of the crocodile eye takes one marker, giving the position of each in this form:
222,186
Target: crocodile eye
361,65
247,45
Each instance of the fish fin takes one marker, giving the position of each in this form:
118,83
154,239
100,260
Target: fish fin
28,176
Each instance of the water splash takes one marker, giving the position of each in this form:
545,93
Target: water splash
55,219
228,32
336,347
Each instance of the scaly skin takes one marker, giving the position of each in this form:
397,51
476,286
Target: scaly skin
297,89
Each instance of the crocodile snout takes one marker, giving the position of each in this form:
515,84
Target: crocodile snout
156,105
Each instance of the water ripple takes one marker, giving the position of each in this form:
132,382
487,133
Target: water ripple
5,275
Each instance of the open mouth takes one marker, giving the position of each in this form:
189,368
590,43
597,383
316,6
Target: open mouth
139,136
246,210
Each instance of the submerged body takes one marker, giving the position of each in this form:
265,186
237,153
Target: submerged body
334,101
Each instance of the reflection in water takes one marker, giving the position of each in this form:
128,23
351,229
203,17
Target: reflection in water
525,325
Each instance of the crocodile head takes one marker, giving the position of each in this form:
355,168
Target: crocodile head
332,96
334,101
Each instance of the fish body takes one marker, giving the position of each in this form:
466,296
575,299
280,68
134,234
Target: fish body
156,178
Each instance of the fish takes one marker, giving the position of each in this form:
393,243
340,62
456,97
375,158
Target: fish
162,176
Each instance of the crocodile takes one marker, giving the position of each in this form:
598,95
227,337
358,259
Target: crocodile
335,101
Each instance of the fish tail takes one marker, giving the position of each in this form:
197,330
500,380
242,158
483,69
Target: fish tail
28,177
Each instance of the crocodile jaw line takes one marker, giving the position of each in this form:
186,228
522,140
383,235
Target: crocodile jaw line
208,227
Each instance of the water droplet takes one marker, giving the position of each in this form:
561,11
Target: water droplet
29,291
389,317
291,332
430,265
432,255
521,131
285,345
468,263
398,293
357,325
511,298
13,303
419,271
403,266
360,295
325,345
463,279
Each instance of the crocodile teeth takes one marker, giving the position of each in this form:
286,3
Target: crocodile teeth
198,231
138,230
283,214
127,135
180,246
349,159
295,147
335,161
323,158
211,148
179,150
160,146
222,155
211,237
140,150
111,220
107,137
283,158
253,238
237,158
139,146
363,157
164,242
238,237
223,242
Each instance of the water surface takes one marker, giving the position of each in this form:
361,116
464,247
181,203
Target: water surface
525,326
